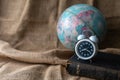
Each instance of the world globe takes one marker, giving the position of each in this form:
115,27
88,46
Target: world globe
80,19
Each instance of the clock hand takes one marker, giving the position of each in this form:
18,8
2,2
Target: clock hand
83,49
88,51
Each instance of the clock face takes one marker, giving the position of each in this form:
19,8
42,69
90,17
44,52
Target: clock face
85,49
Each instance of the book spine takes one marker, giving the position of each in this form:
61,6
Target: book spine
91,71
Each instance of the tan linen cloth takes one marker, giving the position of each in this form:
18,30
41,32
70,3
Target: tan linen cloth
29,47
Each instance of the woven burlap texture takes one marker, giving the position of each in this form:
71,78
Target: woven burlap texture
29,47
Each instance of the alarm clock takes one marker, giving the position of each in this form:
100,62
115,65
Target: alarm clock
86,48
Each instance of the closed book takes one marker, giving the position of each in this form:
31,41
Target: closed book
104,66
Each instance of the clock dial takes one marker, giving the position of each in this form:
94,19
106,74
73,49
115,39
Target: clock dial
85,49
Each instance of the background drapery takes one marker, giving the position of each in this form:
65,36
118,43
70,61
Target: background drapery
29,47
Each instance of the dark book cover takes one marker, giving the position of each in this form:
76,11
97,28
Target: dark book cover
104,66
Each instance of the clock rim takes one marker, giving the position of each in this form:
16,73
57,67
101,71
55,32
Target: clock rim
94,47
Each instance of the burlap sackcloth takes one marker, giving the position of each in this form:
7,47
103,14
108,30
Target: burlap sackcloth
29,47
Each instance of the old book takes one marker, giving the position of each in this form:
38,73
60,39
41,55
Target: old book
104,66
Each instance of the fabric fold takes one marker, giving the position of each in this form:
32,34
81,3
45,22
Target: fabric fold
55,56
